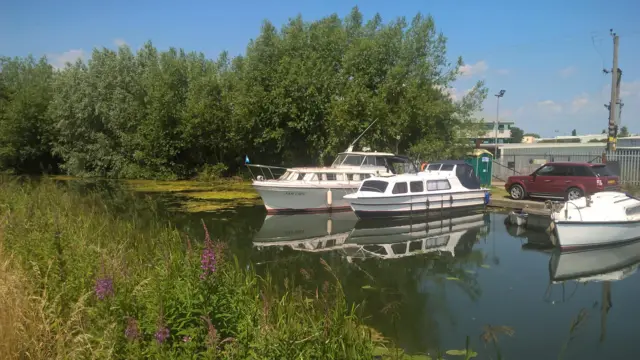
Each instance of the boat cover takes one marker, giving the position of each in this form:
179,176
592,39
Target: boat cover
464,173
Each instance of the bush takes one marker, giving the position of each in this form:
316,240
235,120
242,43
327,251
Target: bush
212,172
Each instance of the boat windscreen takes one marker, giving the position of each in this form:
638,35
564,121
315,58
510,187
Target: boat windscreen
401,165
374,186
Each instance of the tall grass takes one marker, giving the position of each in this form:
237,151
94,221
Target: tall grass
79,279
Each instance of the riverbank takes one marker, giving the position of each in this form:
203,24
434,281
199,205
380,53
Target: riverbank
82,281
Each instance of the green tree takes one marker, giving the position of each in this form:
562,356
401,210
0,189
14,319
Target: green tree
516,134
532,134
624,132
298,96
26,130
574,132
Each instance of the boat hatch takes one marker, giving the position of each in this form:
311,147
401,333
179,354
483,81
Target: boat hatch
378,186
633,210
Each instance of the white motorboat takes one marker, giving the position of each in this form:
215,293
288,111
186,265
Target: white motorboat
313,189
457,187
604,218
609,263
319,189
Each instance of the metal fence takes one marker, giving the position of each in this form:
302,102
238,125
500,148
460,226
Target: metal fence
624,162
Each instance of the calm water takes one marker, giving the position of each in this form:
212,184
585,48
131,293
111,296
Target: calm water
429,283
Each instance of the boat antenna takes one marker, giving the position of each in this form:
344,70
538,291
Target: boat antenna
350,148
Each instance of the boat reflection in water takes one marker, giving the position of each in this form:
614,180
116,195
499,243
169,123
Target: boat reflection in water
383,239
601,264
306,232
605,265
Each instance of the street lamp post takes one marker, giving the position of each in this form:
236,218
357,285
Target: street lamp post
495,125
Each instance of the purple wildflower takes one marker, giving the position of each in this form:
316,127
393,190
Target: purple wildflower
208,257
162,334
186,339
104,288
132,331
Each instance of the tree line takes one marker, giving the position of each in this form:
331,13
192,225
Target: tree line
297,96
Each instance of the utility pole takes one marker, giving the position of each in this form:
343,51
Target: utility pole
615,91
496,124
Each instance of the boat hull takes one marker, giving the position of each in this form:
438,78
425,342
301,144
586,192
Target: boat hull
410,205
577,235
279,199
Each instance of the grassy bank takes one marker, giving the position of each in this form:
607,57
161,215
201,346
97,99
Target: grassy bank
80,280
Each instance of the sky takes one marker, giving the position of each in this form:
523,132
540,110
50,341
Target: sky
547,55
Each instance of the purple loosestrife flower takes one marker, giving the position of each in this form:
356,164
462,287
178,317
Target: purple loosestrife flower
104,288
208,257
132,332
162,334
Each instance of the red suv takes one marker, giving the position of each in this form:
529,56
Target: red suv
567,181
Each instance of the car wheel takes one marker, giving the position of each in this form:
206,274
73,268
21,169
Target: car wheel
574,193
516,192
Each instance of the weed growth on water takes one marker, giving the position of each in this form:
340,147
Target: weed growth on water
80,280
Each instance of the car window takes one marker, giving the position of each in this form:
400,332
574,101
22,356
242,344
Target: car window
552,170
581,171
602,170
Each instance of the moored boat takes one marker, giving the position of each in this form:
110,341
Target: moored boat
604,218
455,188
318,189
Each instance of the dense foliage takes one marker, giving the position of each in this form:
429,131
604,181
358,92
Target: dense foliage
83,277
297,96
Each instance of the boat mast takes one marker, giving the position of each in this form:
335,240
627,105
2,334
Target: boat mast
350,148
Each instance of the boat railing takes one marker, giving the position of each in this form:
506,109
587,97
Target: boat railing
265,172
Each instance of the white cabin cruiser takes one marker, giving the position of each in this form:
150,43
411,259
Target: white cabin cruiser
313,189
428,191
604,218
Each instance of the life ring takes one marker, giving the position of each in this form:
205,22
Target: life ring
423,166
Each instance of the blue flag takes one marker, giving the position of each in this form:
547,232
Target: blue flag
246,159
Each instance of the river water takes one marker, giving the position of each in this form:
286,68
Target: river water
428,284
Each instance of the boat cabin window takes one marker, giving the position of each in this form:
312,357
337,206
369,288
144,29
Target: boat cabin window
374,161
331,177
285,175
399,188
434,167
339,159
357,177
293,176
353,160
374,186
301,176
416,186
435,185
447,167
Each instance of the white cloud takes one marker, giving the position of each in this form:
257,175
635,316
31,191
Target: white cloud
503,71
474,69
578,103
568,71
58,61
119,42
550,105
